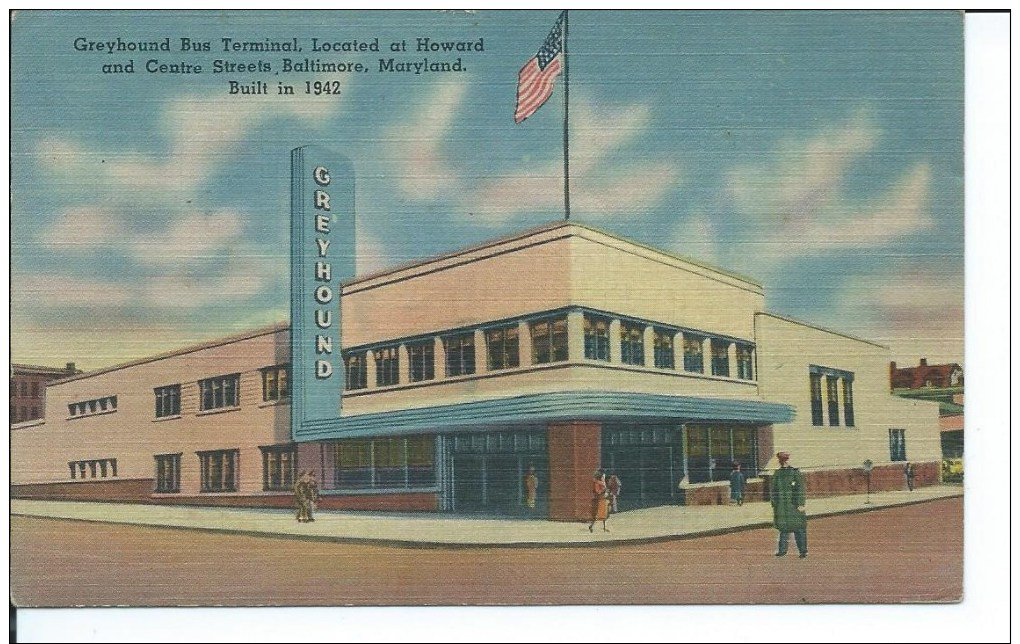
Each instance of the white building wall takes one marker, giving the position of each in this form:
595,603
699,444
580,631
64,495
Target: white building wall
787,348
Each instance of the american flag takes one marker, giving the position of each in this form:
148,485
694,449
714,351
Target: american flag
536,79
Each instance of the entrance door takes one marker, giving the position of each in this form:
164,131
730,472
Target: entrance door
469,483
503,484
647,475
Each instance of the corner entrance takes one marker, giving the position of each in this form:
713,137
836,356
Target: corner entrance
487,470
648,461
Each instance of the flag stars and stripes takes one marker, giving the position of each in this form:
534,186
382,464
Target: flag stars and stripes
537,78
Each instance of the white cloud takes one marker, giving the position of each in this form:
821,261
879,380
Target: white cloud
802,179
915,313
65,292
901,211
697,237
191,236
83,229
795,203
599,184
422,171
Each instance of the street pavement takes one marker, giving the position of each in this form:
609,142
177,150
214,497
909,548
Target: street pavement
444,530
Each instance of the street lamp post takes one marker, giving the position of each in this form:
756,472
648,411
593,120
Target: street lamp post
868,465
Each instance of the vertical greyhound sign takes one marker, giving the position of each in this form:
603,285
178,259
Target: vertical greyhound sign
322,256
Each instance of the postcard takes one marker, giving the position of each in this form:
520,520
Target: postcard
486,308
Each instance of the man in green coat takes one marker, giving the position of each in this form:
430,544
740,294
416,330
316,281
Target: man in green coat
788,494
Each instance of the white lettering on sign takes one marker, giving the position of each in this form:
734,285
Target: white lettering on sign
321,176
323,273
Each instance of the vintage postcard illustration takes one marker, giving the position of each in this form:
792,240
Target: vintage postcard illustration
486,307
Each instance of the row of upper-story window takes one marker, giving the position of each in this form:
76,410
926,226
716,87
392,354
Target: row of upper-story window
835,386
502,343
218,392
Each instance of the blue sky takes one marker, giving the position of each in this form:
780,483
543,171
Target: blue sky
820,154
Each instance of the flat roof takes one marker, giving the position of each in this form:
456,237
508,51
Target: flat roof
275,328
531,232
820,328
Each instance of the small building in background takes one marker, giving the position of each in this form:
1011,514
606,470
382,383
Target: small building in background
28,389
941,383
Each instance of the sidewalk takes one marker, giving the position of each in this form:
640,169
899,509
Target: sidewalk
439,530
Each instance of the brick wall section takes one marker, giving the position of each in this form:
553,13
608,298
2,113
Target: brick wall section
575,451
884,478
125,490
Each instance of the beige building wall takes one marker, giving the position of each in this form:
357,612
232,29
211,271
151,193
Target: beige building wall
613,275
133,435
543,270
489,283
786,348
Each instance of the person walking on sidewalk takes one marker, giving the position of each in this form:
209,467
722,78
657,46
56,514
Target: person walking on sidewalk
908,473
301,496
531,488
614,486
737,480
599,501
788,495
313,494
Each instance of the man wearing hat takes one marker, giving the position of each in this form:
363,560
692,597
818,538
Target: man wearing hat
788,494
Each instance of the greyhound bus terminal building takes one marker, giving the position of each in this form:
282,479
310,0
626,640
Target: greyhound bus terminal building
563,348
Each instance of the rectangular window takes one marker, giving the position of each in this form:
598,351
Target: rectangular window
816,399
745,362
663,346
422,356
720,357
460,354
35,389
387,366
279,467
848,401
632,343
596,337
275,382
220,392
356,371
168,401
93,468
549,340
219,470
694,359
897,444
503,347
92,407
832,399
384,463
168,473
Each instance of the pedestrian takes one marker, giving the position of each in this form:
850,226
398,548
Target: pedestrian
531,488
737,480
614,486
599,501
313,494
301,493
788,496
908,473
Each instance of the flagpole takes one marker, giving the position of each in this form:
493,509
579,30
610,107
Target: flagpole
566,121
